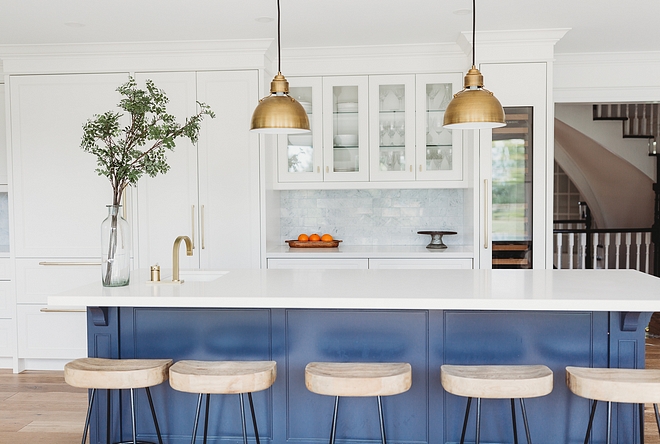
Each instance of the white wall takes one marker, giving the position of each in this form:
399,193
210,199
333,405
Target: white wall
608,134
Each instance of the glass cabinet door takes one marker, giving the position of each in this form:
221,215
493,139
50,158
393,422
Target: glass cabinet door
300,156
345,128
439,150
391,127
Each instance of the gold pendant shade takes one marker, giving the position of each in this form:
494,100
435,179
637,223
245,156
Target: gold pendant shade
474,107
279,113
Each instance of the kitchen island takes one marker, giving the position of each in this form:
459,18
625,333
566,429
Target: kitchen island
424,317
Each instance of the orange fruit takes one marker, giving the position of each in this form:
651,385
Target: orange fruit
314,238
326,238
303,238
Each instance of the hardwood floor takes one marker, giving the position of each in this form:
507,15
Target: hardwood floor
38,407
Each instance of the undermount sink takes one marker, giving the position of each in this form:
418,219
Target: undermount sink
201,275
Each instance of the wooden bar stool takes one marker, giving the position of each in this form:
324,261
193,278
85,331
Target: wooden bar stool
117,374
634,386
223,378
497,382
358,379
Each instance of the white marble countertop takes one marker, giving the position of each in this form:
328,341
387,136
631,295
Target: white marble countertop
370,251
580,290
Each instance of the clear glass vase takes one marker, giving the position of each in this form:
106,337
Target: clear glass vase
115,249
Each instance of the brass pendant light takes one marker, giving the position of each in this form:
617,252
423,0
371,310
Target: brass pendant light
474,107
279,113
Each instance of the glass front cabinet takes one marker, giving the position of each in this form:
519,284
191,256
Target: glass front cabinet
373,129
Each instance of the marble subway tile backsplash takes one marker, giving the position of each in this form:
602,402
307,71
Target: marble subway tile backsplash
373,217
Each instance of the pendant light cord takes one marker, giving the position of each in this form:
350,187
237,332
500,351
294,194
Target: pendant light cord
474,27
279,45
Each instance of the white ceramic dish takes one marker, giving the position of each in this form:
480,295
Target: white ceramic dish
347,106
346,140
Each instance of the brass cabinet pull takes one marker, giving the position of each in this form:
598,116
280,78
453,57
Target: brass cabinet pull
68,264
202,229
63,310
485,214
411,169
420,167
192,238
318,169
327,169
124,210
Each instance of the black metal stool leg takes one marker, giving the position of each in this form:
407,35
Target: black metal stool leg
513,421
640,407
465,421
591,421
254,418
133,425
197,412
240,397
153,415
333,429
382,420
478,435
657,417
609,422
89,415
107,416
524,414
206,417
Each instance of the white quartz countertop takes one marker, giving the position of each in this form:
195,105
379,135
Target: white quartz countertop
581,290
369,251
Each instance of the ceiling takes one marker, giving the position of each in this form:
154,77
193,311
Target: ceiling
595,25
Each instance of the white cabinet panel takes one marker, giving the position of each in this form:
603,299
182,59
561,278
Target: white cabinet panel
319,263
6,337
7,300
211,192
167,203
417,264
36,279
59,200
3,137
229,231
51,335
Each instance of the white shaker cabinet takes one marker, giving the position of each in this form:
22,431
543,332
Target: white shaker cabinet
211,192
58,199
57,206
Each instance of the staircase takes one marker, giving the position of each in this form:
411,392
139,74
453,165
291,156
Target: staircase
640,120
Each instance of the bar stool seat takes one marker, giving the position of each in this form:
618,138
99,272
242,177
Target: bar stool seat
358,379
497,382
111,374
635,386
223,377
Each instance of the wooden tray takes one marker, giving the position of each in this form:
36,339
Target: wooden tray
313,244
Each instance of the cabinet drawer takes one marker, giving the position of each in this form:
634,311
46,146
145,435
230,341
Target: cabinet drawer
418,264
37,279
319,263
50,335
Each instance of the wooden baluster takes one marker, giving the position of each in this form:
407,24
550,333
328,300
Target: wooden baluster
594,246
606,251
647,248
617,249
559,240
583,250
571,243
628,242
638,244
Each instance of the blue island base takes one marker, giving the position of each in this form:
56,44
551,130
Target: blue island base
426,414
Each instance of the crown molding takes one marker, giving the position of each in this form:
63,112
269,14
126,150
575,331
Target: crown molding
376,59
134,56
607,77
520,45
